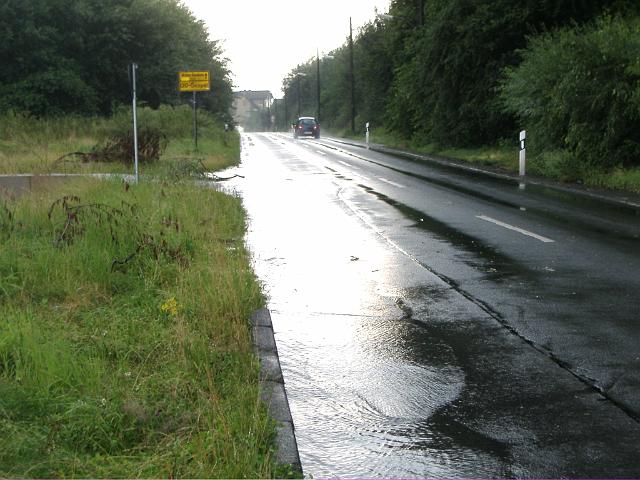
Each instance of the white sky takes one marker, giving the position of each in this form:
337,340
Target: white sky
263,38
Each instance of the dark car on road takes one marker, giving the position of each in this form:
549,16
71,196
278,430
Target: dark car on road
306,127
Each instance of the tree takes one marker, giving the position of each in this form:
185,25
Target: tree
435,77
578,90
62,56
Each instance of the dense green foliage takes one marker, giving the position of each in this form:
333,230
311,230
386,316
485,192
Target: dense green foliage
436,78
579,90
71,56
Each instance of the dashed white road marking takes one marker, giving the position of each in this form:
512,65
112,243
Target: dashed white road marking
390,182
515,229
321,153
344,163
367,179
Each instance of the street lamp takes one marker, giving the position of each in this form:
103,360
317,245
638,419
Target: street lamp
419,6
298,75
286,110
352,80
318,85
318,81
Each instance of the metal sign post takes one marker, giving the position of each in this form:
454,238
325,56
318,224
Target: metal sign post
199,81
132,71
195,120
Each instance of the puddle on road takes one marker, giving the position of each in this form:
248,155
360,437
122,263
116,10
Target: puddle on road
369,387
496,266
580,211
389,371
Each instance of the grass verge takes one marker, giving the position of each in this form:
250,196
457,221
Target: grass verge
558,166
125,349
32,145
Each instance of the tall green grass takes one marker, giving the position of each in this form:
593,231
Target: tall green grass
559,165
124,344
34,145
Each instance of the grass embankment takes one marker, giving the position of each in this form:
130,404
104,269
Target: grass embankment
31,145
125,348
555,166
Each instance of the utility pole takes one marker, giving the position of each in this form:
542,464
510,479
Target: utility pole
286,111
318,84
298,75
275,114
268,115
352,80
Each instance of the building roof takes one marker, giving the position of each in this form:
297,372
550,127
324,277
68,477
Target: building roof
253,95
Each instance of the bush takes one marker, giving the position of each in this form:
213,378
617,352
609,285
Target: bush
172,122
48,94
20,127
578,90
560,165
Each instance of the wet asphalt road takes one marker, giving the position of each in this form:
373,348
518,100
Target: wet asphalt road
436,324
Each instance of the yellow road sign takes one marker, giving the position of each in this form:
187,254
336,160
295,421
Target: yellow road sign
194,81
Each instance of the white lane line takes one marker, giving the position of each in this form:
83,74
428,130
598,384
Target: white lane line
366,179
515,229
321,153
390,182
344,163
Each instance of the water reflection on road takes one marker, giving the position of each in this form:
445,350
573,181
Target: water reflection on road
367,384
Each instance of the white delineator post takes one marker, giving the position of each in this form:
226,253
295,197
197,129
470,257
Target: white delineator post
366,135
523,157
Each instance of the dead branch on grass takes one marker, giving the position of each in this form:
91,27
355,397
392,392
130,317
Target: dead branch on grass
119,148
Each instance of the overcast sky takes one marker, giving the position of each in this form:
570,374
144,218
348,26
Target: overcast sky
265,39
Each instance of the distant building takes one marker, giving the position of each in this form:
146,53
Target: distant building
249,106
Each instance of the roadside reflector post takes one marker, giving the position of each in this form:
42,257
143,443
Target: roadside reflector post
523,158
366,135
132,75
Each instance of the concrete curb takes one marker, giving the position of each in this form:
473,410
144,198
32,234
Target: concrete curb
273,392
630,200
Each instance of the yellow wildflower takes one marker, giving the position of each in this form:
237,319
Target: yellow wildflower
170,306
